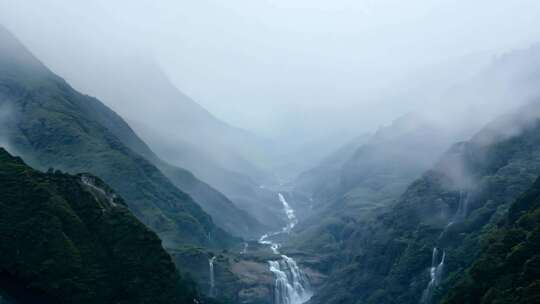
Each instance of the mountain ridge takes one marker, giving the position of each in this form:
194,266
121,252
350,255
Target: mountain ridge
55,126
72,239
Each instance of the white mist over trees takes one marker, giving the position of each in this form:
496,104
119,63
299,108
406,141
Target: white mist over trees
290,151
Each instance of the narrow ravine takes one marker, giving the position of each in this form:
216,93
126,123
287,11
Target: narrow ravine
291,285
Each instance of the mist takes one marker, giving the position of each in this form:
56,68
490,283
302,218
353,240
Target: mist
292,74
6,112
271,151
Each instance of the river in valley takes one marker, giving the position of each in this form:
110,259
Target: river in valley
291,285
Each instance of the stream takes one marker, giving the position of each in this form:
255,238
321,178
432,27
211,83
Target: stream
291,285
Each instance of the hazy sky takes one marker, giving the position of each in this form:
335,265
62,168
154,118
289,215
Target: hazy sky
275,65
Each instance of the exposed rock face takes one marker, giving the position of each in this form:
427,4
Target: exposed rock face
241,278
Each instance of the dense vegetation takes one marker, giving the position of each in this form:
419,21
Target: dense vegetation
365,180
52,125
71,239
380,219
508,269
451,207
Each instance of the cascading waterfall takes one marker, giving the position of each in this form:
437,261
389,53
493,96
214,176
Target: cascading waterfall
463,208
291,285
212,292
244,249
436,272
265,241
290,214
461,213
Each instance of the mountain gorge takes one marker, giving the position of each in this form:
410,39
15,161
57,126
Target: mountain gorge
229,159
52,125
142,195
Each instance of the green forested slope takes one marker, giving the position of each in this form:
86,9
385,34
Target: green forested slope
508,269
372,177
52,125
386,259
71,239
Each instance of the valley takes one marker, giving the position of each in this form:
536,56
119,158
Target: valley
388,172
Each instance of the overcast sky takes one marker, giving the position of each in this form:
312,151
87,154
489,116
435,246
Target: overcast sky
277,65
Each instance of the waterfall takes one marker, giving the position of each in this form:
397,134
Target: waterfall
289,212
291,285
245,248
462,211
463,208
265,241
437,268
90,182
435,272
292,221
212,292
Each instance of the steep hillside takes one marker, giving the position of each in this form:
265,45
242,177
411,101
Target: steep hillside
439,223
372,178
188,136
508,269
319,182
186,130
71,239
226,214
52,125
181,132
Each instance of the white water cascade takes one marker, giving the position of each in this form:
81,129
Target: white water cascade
436,272
244,249
212,292
291,286
290,214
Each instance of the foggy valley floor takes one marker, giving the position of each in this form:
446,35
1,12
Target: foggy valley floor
409,174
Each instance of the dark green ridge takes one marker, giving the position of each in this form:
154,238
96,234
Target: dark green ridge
385,257
508,269
63,241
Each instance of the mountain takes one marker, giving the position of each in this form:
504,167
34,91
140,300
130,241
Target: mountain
244,192
413,250
186,131
225,213
179,130
369,177
52,125
325,178
229,159
71,239
508,268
